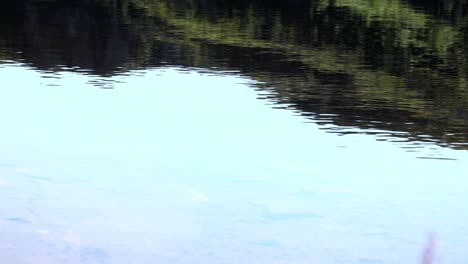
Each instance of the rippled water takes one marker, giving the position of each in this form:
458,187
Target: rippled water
233,132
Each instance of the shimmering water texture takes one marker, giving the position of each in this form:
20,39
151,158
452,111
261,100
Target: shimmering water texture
208,131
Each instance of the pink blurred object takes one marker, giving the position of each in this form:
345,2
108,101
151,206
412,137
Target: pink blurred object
429,252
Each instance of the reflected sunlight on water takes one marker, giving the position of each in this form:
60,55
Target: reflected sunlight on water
283,132
149,171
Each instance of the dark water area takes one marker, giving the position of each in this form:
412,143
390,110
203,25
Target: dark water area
249,131
390,66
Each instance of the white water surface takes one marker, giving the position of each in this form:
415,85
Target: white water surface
182,166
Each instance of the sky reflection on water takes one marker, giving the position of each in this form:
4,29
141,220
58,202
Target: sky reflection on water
233,132
155,171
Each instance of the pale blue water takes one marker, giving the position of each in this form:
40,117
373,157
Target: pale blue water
178,166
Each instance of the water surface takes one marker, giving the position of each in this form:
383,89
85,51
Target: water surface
232,132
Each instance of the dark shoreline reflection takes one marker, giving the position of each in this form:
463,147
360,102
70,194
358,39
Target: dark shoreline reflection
396,69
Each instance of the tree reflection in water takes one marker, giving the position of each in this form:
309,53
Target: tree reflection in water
397,69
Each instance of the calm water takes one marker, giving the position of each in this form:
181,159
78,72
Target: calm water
233,131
